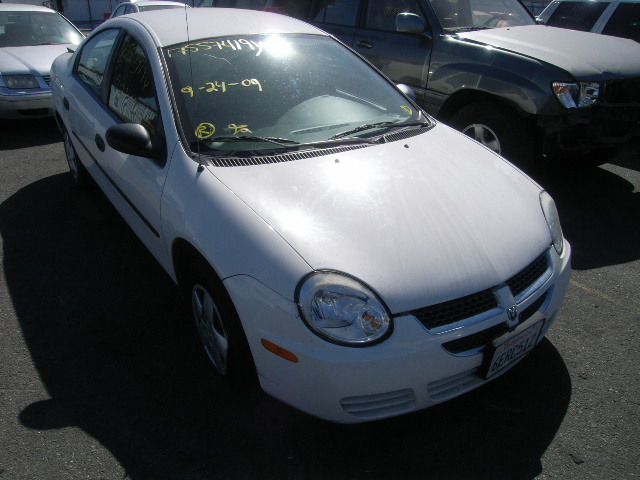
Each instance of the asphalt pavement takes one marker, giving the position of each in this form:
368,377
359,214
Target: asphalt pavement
102,375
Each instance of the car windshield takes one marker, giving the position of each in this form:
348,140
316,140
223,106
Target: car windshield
260,92
36,28
459,15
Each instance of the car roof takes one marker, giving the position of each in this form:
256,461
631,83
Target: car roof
20,7
211,22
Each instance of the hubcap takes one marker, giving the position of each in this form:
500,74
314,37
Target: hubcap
71,156
484,135
210,327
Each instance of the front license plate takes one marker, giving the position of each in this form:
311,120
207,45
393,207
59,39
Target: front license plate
513,348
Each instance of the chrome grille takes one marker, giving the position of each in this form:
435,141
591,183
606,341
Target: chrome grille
523,279
453,311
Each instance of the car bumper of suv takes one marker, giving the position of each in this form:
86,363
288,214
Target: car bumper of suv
584,130
416,367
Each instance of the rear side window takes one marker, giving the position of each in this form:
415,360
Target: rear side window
382,16
94,58
339,12
577,15
625,22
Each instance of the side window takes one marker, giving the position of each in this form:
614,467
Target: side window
339,12
577,16
93,60
382,15
119,11
625,22
132,95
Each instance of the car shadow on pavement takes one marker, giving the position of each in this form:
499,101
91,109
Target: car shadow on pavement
599,211
17,134
107,334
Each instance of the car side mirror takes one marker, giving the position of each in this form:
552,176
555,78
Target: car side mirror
133,139
411,23
407,90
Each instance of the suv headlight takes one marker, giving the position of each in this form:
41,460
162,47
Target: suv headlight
21,81
553,221
575,95
342,310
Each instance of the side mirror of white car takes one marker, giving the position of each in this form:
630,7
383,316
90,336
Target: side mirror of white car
134,139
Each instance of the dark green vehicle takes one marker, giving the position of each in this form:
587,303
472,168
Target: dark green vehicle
529,92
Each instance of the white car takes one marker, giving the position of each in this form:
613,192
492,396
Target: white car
31,37
358,258
144,6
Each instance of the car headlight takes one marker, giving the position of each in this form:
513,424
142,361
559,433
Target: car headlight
21,81
575,95
553,221
342,310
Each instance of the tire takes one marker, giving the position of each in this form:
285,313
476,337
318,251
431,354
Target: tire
79,174
219,328
500,129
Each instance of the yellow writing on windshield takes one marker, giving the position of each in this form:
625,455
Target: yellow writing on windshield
407,109
218,45
239,128
218,86
205,130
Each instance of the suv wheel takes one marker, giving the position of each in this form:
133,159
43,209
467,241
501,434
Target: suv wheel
500,129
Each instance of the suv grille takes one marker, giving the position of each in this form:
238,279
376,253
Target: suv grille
623,91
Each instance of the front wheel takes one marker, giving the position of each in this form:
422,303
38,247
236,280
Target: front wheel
78,171
500,129
219,328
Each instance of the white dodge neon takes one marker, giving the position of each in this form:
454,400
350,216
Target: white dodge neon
338,245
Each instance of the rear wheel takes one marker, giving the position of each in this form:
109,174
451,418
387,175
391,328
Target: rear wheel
219,328
500,129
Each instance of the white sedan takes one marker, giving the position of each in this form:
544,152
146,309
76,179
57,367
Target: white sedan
135,6
338,245
31,37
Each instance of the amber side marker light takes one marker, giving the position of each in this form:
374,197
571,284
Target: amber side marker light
281,352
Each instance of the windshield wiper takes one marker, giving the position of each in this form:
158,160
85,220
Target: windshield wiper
361,128
284,142
371,126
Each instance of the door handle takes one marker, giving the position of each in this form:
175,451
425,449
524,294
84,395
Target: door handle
364,44
65,102
99,143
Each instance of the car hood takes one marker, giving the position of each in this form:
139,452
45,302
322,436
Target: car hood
421,221
31,59
587,56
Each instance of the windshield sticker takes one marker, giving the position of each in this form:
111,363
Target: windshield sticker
239,128
205,130
222,86
231,44
407,109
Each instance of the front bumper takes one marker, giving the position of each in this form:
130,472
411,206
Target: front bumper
38,104
415,368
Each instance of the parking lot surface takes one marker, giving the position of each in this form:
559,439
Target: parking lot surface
102,375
